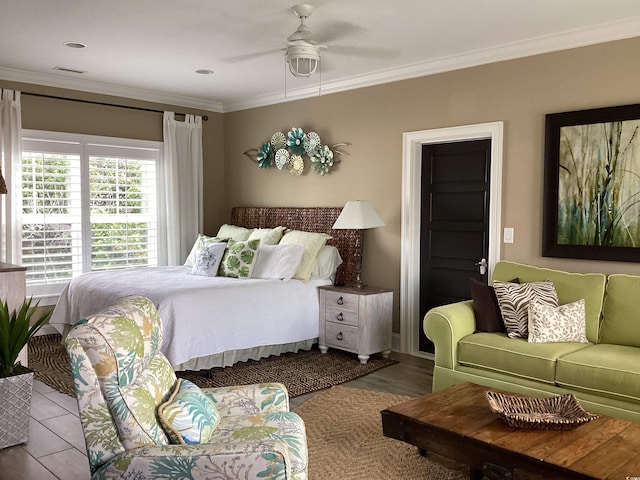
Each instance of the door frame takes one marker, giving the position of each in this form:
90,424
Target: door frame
411,196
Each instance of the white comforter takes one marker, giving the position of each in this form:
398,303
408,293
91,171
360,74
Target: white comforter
202,316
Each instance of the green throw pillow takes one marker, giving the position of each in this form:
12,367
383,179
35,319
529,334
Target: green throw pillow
239,259
189,417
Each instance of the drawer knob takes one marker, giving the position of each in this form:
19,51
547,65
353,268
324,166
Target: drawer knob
340,317
339,336
340,301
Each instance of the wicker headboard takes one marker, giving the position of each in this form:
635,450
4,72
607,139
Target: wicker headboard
312,219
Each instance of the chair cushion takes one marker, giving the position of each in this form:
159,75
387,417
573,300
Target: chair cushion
606,370
513,356
189,417
285,427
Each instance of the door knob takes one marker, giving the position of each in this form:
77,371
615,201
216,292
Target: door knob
483,266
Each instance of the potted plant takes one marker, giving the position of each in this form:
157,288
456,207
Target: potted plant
16,381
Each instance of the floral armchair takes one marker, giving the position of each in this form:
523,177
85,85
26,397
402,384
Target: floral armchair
141,422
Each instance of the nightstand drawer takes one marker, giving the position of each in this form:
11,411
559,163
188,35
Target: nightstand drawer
341,336
341,316
342,300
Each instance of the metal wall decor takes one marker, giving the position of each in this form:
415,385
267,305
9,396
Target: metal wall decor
288,152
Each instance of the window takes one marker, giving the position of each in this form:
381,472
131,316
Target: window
88,203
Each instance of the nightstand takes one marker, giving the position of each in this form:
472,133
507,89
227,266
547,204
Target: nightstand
356,320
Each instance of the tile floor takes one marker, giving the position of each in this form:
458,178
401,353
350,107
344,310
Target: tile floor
56,448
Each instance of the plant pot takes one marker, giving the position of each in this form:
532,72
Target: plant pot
15,408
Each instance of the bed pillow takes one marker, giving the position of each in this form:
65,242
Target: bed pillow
239,259
514,302
200,242
239,234
312,243
277,261
189,417
565,323
208,259
327,263
267,236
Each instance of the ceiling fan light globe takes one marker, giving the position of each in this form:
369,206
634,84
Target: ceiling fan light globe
303,60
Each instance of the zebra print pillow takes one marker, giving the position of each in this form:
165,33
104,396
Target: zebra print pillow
514,298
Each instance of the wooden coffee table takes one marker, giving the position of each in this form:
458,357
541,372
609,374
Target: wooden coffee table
458,424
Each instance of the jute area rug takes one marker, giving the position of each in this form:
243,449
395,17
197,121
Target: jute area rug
302,372
345,440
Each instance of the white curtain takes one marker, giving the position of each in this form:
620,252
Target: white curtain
11,153
182,184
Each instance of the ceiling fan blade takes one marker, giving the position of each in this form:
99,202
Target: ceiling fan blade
251,56
335,31
369,52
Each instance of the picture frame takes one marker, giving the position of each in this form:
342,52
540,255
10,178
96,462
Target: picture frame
591,204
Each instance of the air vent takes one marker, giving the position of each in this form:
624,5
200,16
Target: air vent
69,70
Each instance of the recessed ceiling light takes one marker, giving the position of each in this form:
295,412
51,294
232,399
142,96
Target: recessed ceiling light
204,71
74,44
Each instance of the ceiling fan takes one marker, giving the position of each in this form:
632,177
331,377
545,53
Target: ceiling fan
302,51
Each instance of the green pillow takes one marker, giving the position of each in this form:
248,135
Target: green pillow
189,417
239,259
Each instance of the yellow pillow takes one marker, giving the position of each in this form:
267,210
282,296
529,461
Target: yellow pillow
239,234
312,243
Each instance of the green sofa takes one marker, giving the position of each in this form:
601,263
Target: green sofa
603,374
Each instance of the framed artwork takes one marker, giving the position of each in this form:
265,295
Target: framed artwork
592,184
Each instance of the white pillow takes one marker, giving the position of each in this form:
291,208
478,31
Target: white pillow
267,236
312,242
327,262
208,260
239,234
277,261
200,243
565,323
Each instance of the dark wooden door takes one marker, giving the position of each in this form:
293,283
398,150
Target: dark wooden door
454,230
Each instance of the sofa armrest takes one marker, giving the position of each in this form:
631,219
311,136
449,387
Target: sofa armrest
250,399
253,460
445,326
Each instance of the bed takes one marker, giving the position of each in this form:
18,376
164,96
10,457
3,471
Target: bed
218,321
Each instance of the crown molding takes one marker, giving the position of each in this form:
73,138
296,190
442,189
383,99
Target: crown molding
545,44
105,88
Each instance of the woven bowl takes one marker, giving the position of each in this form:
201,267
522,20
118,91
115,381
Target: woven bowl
562,412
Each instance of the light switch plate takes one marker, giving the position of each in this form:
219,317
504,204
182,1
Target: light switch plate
508,235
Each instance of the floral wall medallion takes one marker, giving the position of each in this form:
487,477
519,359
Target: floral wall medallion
288,152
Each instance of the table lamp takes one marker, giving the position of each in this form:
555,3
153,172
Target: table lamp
358,215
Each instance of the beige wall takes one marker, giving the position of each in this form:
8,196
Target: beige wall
66,116
518,93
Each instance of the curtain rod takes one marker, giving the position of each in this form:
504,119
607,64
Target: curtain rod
92,102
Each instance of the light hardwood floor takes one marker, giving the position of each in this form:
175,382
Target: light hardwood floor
56,448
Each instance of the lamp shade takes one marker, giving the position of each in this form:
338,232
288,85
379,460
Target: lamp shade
358,215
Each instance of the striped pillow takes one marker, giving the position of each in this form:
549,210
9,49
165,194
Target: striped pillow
514,299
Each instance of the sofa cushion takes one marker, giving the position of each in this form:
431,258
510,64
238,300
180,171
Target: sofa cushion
514,356
611,371
514,302
560,324
621,320
570,288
